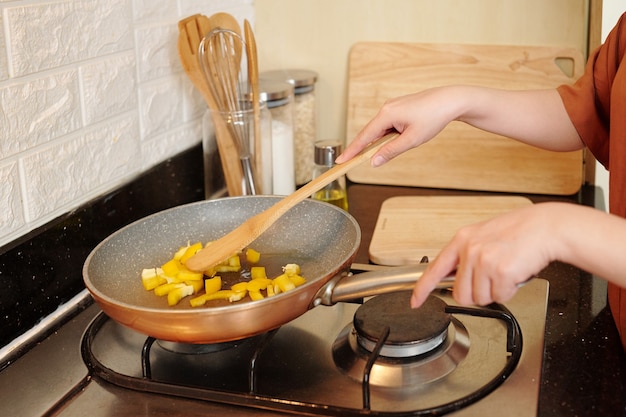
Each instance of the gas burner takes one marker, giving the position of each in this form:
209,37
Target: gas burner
423,344
196,349
412,332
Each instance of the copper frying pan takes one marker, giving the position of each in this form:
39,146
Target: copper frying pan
320,237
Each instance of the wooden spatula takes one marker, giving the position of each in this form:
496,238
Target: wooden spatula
253,79
191,31
252,228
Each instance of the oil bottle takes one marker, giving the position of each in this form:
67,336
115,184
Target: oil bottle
325,152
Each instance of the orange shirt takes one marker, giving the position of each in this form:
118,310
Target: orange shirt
596,103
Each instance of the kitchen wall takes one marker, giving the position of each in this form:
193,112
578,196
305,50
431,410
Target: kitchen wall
91,93
318,34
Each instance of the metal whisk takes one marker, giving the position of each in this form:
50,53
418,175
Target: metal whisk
220,53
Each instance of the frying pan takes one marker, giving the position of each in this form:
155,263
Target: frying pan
320,237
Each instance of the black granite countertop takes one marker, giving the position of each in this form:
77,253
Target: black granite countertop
584,365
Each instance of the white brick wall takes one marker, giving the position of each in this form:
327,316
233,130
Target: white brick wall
91,94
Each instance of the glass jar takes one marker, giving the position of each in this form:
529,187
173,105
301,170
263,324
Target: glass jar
325,152
279,98
262,167
304,116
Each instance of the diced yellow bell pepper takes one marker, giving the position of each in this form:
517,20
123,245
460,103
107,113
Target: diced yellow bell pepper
197,285
220,295
187,275
291,269
255,295
270,291
190,251
297,280
227,268
176,281
151,283
236,296
149,273
164,289
258,284
150,278
171,267
252,256
283,283
180,252
226,295
177,294
234,261
198,301
258,272
213,285
240,286
229,295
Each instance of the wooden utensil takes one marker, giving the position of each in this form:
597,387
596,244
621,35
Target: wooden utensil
191,31
253,80
252,228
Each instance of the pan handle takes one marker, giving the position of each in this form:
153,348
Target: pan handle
348,286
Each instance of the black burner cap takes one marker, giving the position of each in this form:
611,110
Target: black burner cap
406,325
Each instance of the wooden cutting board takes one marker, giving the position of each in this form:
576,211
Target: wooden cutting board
462,157
410,227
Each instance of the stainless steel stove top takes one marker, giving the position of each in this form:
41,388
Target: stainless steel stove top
294,372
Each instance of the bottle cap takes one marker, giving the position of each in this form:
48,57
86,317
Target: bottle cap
326,151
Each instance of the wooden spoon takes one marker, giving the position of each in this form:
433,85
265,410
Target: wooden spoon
191,31
252,228
253,80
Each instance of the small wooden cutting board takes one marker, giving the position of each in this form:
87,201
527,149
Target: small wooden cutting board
410,227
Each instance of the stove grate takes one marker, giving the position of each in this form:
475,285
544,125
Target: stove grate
254,400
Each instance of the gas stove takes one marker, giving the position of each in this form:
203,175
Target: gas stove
376,357
306,363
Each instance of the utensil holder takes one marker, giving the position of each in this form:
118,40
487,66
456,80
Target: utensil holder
241,122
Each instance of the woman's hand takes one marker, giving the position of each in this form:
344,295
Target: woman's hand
417,117
493,257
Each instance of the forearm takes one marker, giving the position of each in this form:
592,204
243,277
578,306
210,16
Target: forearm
594,241
535,117
493,257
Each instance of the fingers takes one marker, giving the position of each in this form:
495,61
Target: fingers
389,119
369,134
441,267
486,272
485,275
390,150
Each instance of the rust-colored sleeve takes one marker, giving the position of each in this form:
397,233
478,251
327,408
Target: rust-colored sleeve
588,101
596,104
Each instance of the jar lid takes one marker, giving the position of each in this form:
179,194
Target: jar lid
275,93
326,151
271,90
297,77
